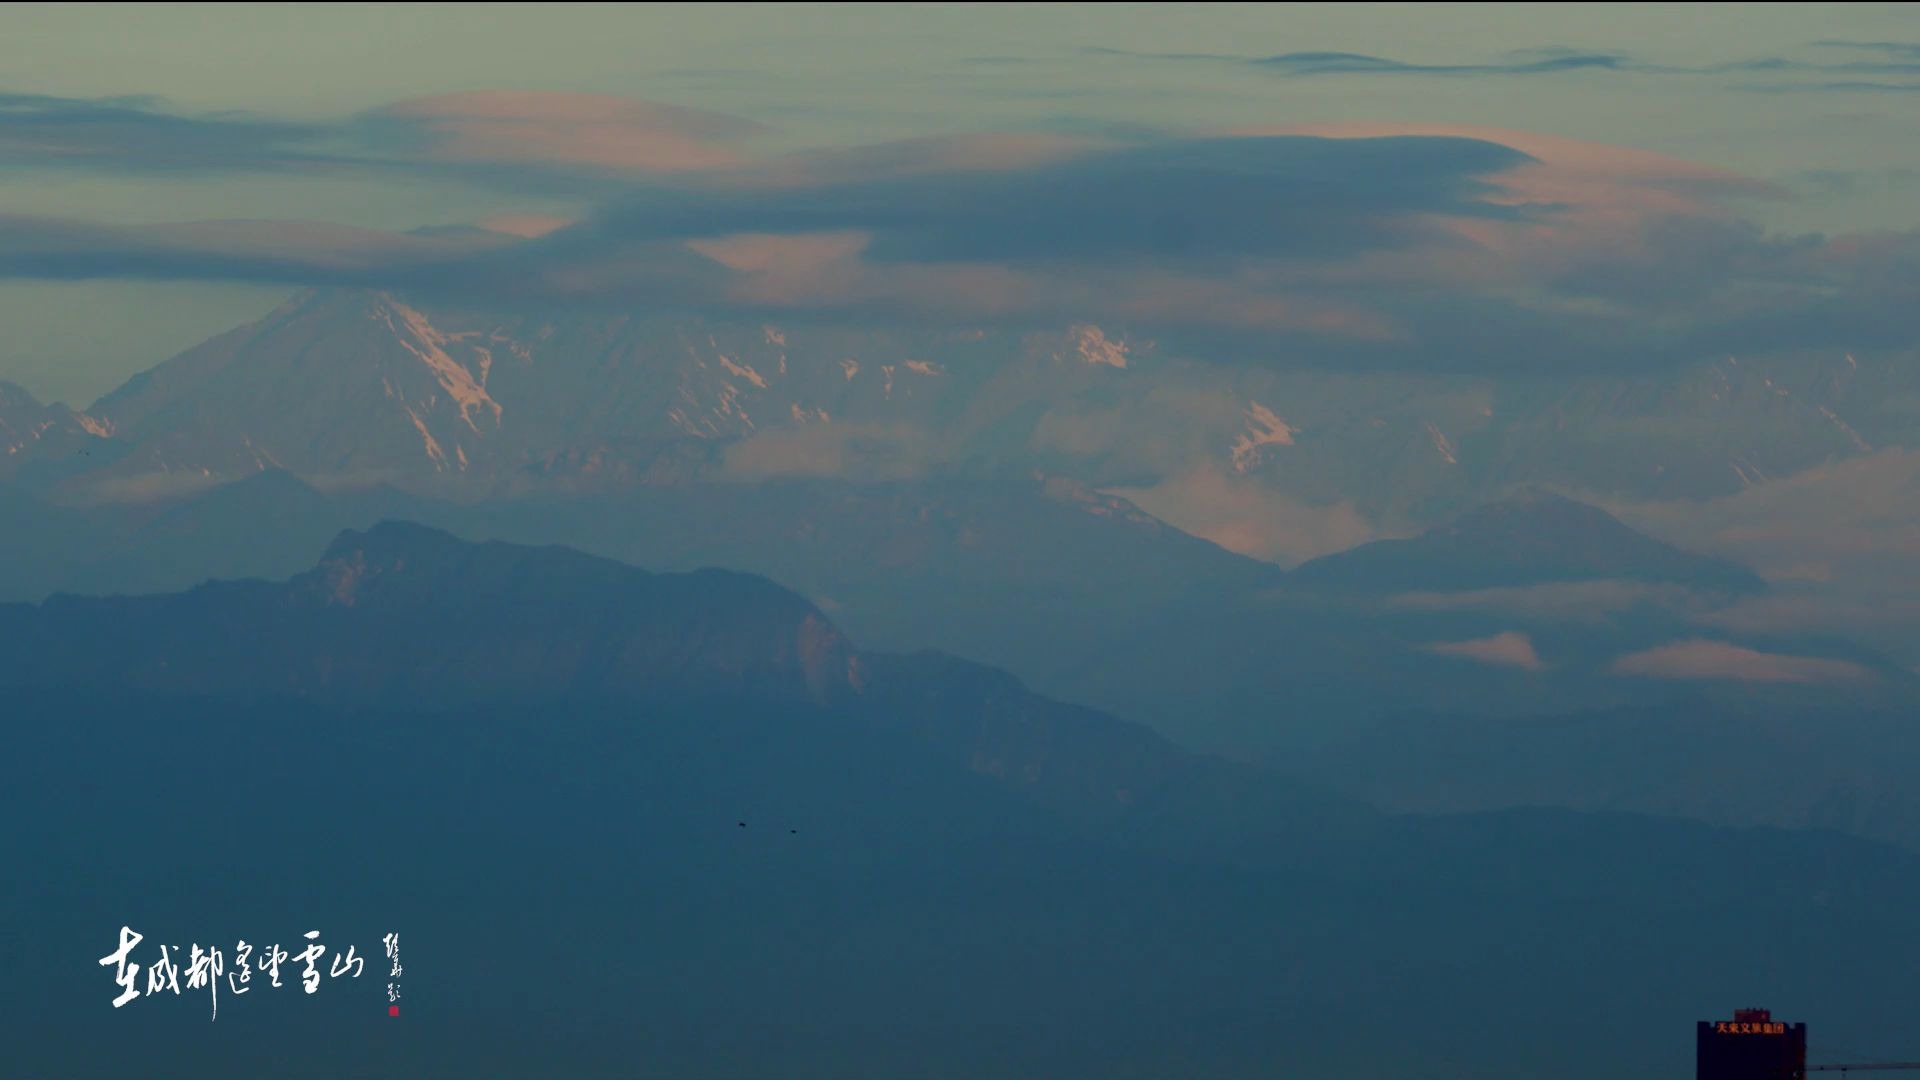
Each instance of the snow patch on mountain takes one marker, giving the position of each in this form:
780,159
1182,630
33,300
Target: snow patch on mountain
1846,429
427,344
1264,428
100,429
743,371
430,444
1097,349
263,458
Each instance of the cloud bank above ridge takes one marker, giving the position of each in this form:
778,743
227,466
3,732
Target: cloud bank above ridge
1384,245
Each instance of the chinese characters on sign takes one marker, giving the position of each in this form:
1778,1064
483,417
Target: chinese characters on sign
1741,1027
207,967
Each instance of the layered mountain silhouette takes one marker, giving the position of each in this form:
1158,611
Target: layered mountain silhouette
533,763
1079,593
405,612
402,609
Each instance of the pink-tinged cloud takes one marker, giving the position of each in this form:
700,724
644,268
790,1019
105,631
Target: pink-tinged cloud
525,226
599,132
1595,202
1509,649
979,152
827,270
1568,170
1606,253
1702,659
781,254
1245,516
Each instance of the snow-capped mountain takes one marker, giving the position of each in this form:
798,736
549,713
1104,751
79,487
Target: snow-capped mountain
360,387
346,384
49,436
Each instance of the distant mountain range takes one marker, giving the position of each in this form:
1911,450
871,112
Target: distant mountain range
402,612
358,387
1524,606
679,825
956,491
44,442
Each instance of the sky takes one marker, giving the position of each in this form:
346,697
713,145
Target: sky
954,162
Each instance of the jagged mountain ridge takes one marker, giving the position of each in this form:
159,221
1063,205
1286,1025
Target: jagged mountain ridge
53,438
403,609
343,385
403,612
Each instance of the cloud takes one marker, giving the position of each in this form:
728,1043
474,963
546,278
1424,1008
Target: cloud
1278,196
1895,58
1210,232
1564,602
472,262
1510,649
1244,516
1701,659
1548,61
1172,230
588,131
267,251
1842,539
1885,617
866,452
1363,247
1860,512
1897,48
1835,86
147,487
525,226
514,139
1339,63
976,152
132,134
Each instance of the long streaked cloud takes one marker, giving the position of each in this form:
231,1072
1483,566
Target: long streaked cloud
1508,649
1277,196
474,261
1705,660
135,134
587,131
1445,248
1161,230
1885,59
502,138
1910,49
1341,63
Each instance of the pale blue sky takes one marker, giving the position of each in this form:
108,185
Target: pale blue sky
1833,127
